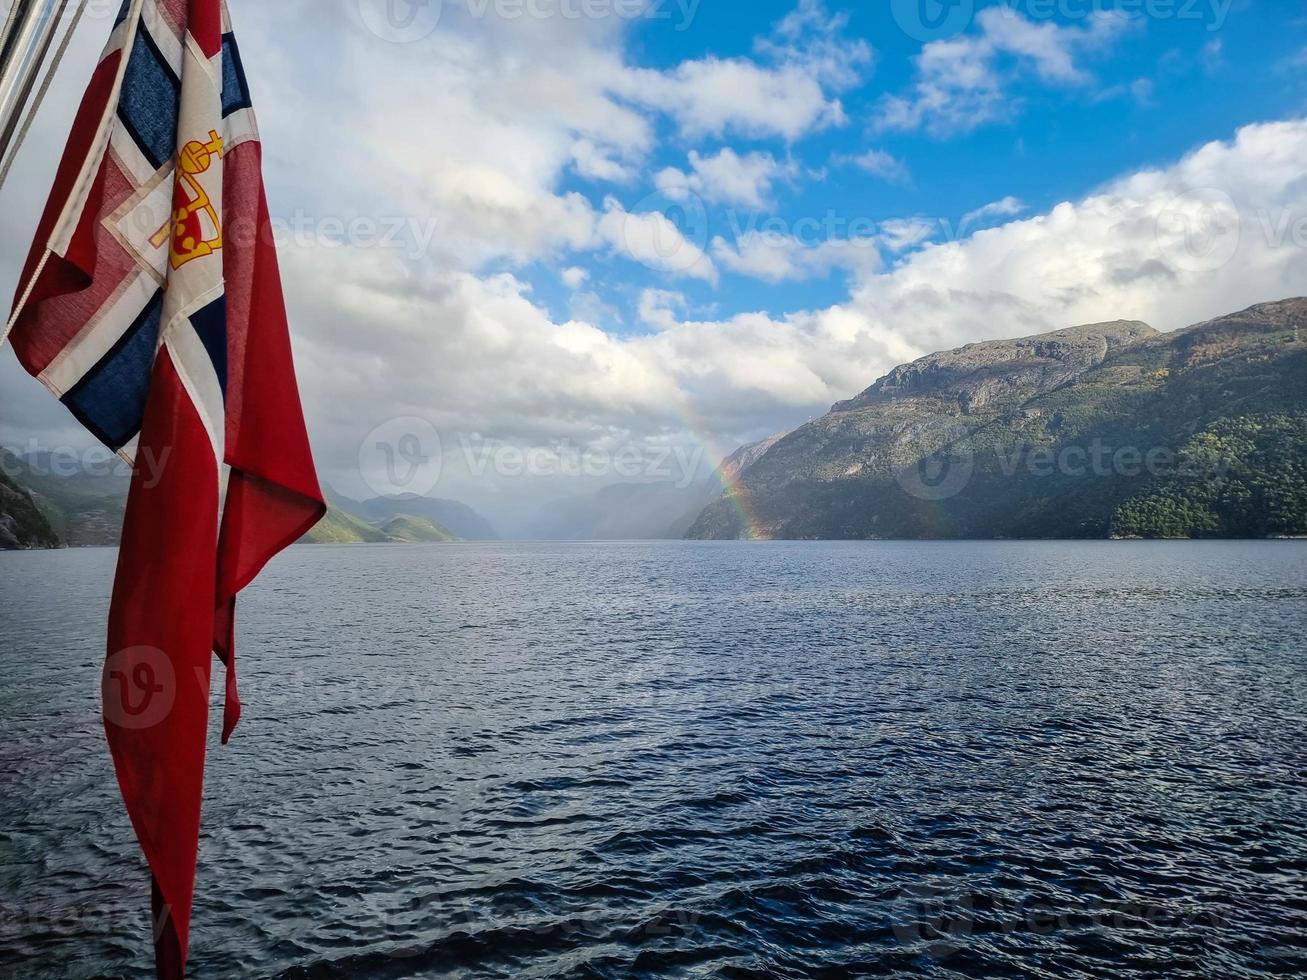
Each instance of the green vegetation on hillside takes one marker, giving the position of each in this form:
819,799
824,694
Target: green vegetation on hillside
1108,429
48,501
338,527
342,527
1244,477
22,525
406,529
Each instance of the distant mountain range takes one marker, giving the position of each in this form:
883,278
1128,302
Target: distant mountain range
56,501
398,520
1106,430
461,520
82,503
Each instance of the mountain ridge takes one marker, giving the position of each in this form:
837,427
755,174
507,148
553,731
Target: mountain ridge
343,525
859,470
22,524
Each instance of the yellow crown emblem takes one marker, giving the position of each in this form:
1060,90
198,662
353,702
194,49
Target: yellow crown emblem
193,207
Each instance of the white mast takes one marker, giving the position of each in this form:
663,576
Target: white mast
29,30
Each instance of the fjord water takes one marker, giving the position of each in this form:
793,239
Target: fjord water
693,760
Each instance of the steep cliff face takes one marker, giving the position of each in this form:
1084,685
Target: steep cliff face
22,525
84,505
986,440
734,466
1001,373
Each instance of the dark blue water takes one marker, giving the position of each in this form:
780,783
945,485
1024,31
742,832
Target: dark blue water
697,760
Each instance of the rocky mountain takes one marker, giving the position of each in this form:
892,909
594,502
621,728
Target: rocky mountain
80,503
22,525
1110,429
82,496
734,466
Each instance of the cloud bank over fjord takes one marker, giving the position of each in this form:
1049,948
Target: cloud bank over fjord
1212,233
532,149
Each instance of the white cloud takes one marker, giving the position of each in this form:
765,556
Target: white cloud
881,164
789,93
513,104
1005,208
810,17
378,336
591,308
963,82
593,162
652,239
377,339
714,97
812,37
658,307
1214,55
901,234
726,178
774,257
1211,234
479,355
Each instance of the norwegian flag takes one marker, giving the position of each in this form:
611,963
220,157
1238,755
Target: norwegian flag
151,306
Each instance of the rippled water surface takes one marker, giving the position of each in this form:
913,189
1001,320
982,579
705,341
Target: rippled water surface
696,760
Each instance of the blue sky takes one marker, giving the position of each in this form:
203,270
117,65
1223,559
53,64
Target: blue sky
1177,76
528,229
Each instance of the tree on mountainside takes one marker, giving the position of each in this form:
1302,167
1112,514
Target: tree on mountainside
1240,477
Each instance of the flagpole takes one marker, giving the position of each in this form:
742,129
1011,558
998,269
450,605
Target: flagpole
11,18
29,31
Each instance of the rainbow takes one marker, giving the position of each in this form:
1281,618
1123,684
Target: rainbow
734,492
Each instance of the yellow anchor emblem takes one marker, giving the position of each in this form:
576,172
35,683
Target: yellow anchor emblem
191,205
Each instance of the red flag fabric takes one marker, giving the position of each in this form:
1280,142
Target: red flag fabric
151,306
